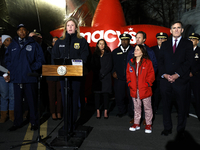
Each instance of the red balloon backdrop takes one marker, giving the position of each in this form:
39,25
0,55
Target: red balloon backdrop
109,22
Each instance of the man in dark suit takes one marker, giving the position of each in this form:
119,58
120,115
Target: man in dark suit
161,37
122,93
175,59
195,74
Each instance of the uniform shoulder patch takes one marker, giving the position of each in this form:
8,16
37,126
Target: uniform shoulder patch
29,48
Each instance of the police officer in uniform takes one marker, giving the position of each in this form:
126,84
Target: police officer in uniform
121,89
23,57
161,37
195,73
71,46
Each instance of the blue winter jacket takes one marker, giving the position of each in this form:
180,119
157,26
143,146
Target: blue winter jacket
23,61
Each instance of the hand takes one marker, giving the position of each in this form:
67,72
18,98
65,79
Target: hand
171,78
167,76
7,78
174,77
115,75
191,74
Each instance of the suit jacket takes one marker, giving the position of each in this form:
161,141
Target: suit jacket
178,62
195,68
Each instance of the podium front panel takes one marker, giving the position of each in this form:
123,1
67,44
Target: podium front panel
71,70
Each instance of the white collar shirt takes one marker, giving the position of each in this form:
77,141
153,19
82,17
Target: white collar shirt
194,48
124,50
177,42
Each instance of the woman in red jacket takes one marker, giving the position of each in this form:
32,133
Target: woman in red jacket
140,76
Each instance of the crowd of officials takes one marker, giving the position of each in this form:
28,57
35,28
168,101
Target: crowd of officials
142,76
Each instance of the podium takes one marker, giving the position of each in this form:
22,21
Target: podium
65,139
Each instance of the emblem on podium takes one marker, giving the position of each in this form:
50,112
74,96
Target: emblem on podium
61,70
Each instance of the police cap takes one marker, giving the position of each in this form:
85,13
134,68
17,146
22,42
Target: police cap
21,25
37,32
194,36
125,36
161,35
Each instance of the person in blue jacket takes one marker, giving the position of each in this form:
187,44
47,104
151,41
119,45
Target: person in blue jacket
140,39
71,46
24,57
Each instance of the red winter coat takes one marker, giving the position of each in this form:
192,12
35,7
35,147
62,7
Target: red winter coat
145,79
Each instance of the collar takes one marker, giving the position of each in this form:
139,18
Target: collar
194,48
178,40
24,39
124,50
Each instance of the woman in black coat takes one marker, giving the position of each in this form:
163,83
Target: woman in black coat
102,66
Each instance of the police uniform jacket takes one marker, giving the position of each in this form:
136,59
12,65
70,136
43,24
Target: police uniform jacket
195,68
23,61
102,67
143,81
120,62
156,51
71,47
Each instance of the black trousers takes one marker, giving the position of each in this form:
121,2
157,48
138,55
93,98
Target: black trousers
156,98
195,88
180,91
122,97
29,92
98,96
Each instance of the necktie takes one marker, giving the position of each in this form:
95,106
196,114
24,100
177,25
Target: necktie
174,47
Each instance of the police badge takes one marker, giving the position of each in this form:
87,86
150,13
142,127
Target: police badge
196,55
76,45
